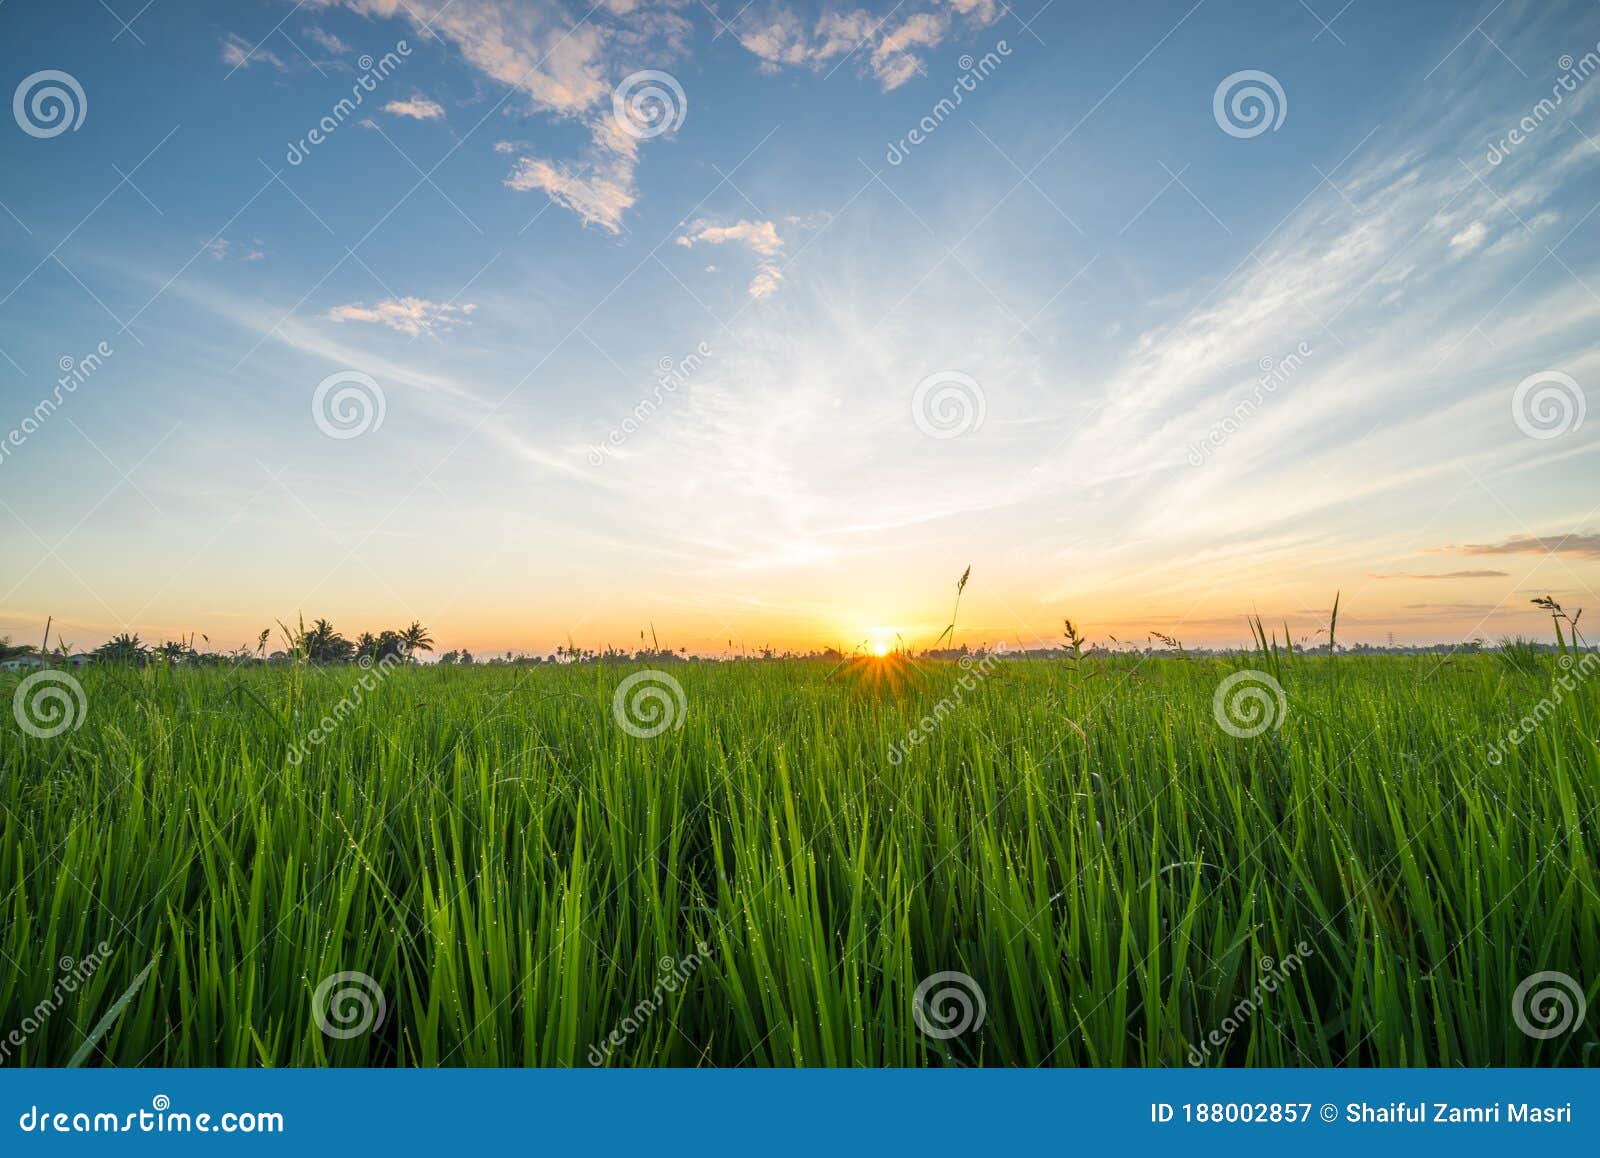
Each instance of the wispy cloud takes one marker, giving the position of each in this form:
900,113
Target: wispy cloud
1418,343
1470,238
321,36
599,187
407,315
766,281
1442,575
564,64
891,47
1451,610
895,58
418,108
236,53
760,237
781,36
1577,543
221,248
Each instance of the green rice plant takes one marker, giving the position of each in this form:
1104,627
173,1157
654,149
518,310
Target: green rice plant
1519,654
1117,876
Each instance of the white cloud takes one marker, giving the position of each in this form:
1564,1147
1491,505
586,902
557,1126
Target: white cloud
538,49
768,278
237,53
893,54
327,39
780,42
1470,238
418,108
760,237
221,248
407,315
782,38
567,65
564,63
894,57
599,188
982,11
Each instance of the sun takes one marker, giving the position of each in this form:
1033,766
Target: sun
879,642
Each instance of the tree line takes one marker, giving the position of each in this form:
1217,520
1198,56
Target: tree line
320,643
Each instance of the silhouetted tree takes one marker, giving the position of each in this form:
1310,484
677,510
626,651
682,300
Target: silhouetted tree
322,644
9,650
122,648
416,638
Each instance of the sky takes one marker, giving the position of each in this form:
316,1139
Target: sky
756,325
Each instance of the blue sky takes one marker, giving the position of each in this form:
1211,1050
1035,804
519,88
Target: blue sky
1088,251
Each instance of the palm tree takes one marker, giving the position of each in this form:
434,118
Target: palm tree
322,644
122,648
174,651
416,638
